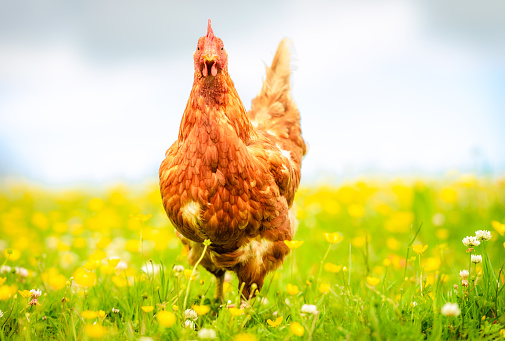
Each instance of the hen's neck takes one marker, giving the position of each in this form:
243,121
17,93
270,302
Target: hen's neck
214,100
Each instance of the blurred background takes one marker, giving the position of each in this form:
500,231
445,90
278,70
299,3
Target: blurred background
94,91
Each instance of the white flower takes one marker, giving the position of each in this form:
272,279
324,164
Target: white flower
309,309
450,309
36,293
1,314
114,310
471,241
178,268
21,271
189,324
151,269
476,259
190,314
264,301
122,265
483,235
414,303
206,333
464,282
464,274
145,338
4,269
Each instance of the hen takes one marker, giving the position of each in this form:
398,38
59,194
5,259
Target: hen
232,175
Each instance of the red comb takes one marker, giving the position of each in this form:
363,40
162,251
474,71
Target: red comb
210,33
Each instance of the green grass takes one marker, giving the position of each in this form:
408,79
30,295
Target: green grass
367,286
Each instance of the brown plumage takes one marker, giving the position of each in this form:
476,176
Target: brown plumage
231,176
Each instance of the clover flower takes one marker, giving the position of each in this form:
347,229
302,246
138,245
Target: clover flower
207,333
309,309
471,241
464,274
178,268
450,309
483,235
190,314
476,259
115,311
5,269
464,282
189,324
1,314
36,293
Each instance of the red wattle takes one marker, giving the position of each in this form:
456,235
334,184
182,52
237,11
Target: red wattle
213,70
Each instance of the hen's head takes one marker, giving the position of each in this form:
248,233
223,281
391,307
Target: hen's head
210,56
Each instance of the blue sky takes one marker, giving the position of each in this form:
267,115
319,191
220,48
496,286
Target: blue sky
94,91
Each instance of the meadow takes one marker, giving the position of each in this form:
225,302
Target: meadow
373,260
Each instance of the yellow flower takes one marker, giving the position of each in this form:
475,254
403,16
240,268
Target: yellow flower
373,281
57,282
166,318
419,248
101,314
324,288
333,238
293,244
499,227
84,277
12,254
141,217
2,280
236,311
188,272
292,289
201,309
332,267
245,337
25,293
296,328
275,323
95,331
7,291
147,308
119,281
502,332
89,315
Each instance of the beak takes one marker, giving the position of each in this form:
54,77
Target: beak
209,62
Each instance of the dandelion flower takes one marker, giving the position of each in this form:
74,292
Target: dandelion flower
292,289
471,241
333,238
419,248
293,244
483,235
309,309
275,323
166,318
476,259
450,309
207,333
147,308
373,281
464,274
201,309
296,328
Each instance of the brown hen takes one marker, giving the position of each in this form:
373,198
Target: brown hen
231,176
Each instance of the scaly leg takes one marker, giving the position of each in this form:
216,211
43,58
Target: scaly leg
219,285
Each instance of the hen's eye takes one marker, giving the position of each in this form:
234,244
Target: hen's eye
198,48
222,49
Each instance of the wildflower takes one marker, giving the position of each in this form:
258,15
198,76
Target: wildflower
471,241
464,282
1,314
115,311
120,282
190,314
324,288
293,244
147,308
84,277
95,331
101,314
36,293
89,314
309,309
499,227
464,274
245,337
33,302
122,265
292,289
189,324
236,311
372,281
166,318
502,333
188,273
332,267
178,268
450,309
2,280
201,309
21,271
4,269
483,235
25,293
419,248
296,328
333,238
264,301
476,259
275,323
206,333
414,303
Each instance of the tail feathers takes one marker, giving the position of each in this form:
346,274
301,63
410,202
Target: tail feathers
274,110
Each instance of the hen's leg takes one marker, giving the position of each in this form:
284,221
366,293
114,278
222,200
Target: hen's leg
219,285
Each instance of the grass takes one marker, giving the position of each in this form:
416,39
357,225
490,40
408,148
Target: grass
379,260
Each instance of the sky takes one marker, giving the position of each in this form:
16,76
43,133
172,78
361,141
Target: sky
94,91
